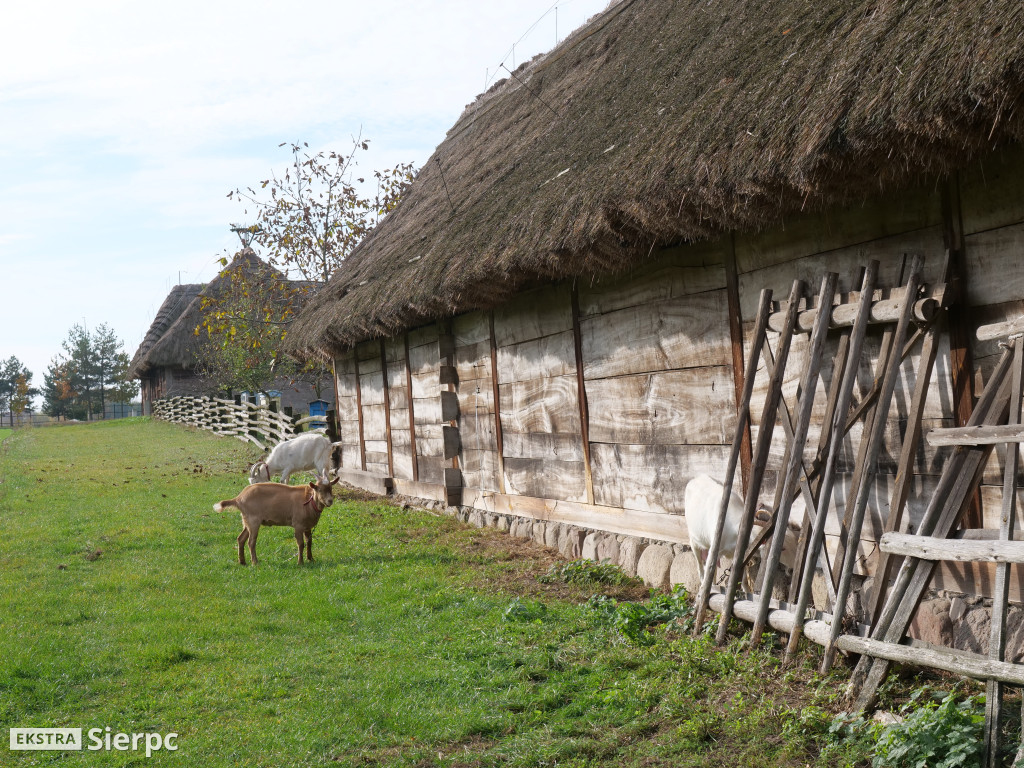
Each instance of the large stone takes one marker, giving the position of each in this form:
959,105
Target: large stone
684,571
570,541
1015,635
608,549
501,522
629,554
476,518
522,528
931,623
654,566
819,591
551,534
973,630
540,529
589,551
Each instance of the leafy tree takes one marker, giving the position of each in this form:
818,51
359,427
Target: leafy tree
317,212
243,327
91,372
11,371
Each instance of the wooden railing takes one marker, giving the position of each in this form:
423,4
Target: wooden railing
244,421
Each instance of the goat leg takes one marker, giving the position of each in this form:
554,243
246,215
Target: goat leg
242,538
309,545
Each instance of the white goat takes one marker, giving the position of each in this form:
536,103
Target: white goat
702,499
305,453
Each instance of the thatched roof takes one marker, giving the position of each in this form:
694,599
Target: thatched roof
663,121
171,340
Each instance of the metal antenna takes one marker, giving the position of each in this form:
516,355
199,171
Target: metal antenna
246,234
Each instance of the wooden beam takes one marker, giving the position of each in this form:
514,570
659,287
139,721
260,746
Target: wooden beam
1005,329
760,460
387,408
863,491
496,397
955,550
359,411
979,435
581,391
742,426
958,662
843,315
412,413
961,360
905,468
808,387
732,292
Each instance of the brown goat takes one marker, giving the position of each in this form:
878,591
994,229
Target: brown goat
277,504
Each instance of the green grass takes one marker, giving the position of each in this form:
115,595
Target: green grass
5,433
411,641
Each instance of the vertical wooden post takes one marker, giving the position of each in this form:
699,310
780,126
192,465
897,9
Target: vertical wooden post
732,292
359,410
1001,593
808,387
764,308
760,459
581,391
412,412
497,407
337,404
387,407
867,476
961,361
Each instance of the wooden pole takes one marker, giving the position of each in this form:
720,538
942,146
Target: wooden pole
764,440
742,425
359,410
867,476
808,387
497,406
732,293
387,407
905,470
581,392
1001,593
412,413
958,481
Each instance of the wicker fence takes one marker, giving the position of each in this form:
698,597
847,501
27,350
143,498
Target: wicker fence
245,421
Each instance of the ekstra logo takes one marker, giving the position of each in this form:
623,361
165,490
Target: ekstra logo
67,739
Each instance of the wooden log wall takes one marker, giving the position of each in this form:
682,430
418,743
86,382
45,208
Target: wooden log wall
658,356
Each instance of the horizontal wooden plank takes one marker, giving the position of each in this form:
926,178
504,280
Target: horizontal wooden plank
424,359
652,478
662,335
402,462
471,328
425,335
376,446
473,362
419,489
345,363
377,458
690,406
480,469
958,550
432,447
374,422
846,262
396,374
427,410
992,190
977,435
563,480
994,274
400,436
394,350
541,312
431,469
678,272
368,481
537,359
554,446
477,431
544,405
398,398
976,579
426,384
346,385
652,525
377,468
371,388
351,458
368,354
844,227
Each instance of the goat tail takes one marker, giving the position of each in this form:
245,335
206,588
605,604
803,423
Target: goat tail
219,506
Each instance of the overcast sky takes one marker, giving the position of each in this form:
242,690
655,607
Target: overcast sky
123,126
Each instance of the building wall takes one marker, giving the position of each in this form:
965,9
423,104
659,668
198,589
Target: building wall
656,354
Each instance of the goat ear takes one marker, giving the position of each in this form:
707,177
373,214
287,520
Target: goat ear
313,486
336,481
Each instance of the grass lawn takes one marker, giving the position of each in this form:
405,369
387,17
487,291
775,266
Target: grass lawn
4,433
412,640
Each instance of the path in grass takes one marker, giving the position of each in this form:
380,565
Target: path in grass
412,640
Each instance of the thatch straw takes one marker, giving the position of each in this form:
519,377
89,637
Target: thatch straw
678,121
